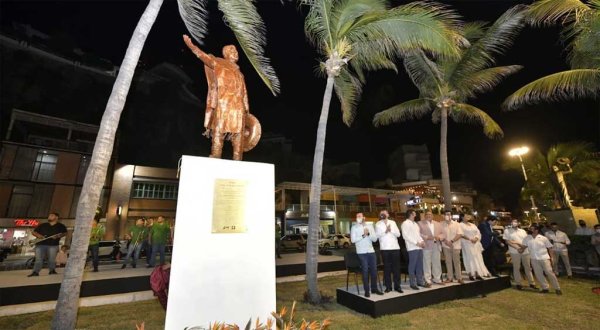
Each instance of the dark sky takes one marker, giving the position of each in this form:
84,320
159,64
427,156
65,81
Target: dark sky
105,27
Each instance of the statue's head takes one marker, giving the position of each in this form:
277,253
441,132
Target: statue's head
230,53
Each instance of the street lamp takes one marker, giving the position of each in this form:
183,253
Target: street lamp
518,152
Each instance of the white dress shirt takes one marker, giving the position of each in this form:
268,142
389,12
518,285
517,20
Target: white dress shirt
517,235
538,247
560,240
451,229
363,244
584,231
387,241
412,235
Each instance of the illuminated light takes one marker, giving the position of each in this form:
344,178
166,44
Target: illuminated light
518,151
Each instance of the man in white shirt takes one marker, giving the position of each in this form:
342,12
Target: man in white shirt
432,234
451,247
414,246
583,229
363,235
560,240
387,232
514,237
540,250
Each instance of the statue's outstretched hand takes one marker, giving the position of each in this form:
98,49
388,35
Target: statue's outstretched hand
187,40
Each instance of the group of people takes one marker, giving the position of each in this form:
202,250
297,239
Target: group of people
150,235
478,245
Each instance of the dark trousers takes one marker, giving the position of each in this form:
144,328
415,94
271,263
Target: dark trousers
147,247
489,259
368,264
160,249
415,267
391,265
94,250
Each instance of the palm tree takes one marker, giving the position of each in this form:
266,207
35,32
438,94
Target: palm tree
249,30
356,36
445,85
581,33
583,182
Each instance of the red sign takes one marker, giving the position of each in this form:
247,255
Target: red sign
26,223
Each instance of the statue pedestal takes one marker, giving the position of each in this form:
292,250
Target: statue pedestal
223,265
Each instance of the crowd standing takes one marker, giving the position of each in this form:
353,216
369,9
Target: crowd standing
535,251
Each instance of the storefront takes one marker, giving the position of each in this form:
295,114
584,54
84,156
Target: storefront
16,234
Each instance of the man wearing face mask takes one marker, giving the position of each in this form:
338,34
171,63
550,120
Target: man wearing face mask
432,234
514,237
388,233
560,240
363,236
583,229
414,246
540,249
451,247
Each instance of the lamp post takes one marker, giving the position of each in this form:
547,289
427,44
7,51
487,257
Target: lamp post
519,152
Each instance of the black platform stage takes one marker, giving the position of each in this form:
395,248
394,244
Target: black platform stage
397,303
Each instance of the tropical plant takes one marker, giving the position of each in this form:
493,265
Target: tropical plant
581,34
249,30
583,183
446,84
356,36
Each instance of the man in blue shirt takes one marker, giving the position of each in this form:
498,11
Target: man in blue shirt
363,235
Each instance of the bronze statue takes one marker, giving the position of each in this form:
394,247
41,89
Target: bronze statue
227,113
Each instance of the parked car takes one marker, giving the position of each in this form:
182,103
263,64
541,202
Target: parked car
112,249
340,241
326,242
294,242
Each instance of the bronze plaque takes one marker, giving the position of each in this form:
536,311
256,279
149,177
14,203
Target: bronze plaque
229,206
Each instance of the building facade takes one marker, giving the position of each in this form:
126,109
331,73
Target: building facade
43,161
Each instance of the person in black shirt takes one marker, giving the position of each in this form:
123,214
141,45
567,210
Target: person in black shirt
47,247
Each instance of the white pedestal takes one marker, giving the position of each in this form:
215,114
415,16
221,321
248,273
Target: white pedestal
217,277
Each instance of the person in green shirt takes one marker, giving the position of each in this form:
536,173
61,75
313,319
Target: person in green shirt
160,234
96,235
137,235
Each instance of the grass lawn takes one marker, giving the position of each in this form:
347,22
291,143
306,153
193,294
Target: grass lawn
577,308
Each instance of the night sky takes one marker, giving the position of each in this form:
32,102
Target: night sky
105,27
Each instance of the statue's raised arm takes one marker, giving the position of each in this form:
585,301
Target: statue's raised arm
206,58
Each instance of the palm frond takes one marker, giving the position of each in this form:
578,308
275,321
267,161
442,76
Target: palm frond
484,80
412,109
348,89
584,42
317,24
546,12
466,113
473,31
575,151
194,16
497,39
245,22
422,25
347,12
424,73
368,57
558,86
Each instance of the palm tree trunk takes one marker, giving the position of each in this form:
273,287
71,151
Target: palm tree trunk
314,221
446,192
65,315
